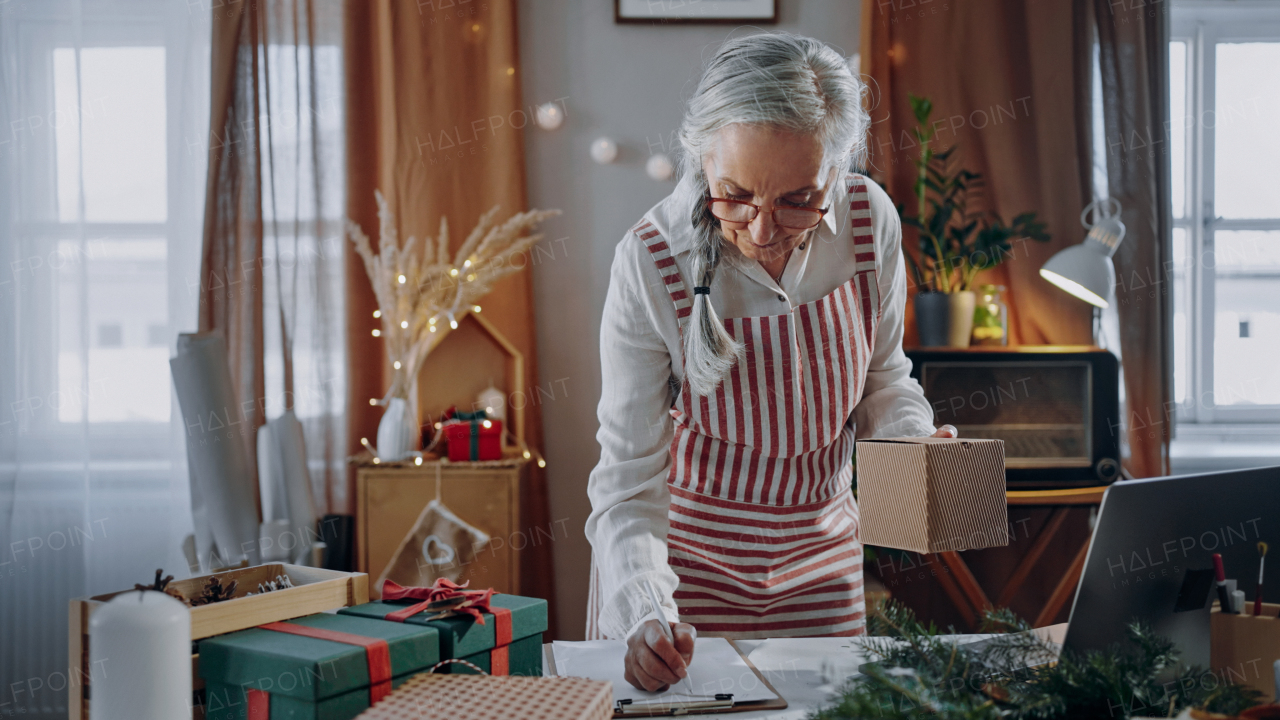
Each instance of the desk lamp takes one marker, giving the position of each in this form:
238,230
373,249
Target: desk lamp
1086,270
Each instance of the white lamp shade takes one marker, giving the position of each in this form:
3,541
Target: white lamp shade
1085,271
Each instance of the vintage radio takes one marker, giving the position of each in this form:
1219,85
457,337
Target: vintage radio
1057,408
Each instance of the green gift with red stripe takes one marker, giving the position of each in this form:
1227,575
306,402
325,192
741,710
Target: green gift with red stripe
319,667
498,633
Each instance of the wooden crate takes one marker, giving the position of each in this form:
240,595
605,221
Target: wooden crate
315,590
1243,648
487,495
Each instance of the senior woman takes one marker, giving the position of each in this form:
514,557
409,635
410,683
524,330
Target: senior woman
752,331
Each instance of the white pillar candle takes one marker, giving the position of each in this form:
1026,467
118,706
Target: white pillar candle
140,657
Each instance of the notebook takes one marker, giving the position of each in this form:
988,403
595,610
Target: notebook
721,679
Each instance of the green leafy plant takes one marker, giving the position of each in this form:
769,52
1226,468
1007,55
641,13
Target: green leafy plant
956,242
919,673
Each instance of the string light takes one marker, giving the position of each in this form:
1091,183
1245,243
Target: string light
439,425
476,308
377,461
487,424
373,401
471,277
467,263
453,272
527,455
396,364
432,320
488,410
404,324
541,463
377,313
433,328
417,461
402,279
377,333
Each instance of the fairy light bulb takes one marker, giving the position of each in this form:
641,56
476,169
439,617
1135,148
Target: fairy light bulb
453,324
372,401
377,333
542,463
396,364
471,277
433,328
475,308
377,461
402,279
417,461
527,454
404,324
487,424
453,272
439,425
467,264
377,313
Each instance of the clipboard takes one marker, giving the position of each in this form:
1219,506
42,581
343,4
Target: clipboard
720,704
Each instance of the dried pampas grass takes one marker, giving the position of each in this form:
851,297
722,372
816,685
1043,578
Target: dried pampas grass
422,294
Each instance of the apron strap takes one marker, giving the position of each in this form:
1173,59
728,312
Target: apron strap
864,254
660,252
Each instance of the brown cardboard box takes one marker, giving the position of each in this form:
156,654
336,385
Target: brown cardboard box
932,494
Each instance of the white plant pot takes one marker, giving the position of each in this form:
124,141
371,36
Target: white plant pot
397,432
961,328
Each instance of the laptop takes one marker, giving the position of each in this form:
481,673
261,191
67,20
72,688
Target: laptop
1149,533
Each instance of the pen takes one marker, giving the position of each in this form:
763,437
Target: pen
1257,596
666,626
1220,575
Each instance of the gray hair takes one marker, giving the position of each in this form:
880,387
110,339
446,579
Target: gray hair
777,80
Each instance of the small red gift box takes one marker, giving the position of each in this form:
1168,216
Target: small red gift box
474,439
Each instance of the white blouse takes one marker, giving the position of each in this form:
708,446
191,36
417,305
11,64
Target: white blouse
642,369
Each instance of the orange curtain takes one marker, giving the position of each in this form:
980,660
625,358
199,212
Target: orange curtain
231,292
434,121
1009,83
1133,44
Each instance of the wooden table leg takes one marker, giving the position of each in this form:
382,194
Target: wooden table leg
1066,587
1028,562
958,597
968,583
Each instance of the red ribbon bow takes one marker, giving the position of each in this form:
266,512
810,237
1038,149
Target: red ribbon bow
470,602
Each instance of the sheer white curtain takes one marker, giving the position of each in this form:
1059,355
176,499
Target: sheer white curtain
104,115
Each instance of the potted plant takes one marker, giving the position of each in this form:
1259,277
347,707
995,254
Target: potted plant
956,242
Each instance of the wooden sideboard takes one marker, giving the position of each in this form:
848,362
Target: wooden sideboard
487,495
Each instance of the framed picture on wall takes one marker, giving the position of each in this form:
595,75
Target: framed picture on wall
695,11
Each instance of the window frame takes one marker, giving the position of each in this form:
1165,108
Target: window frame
1202,24
137,443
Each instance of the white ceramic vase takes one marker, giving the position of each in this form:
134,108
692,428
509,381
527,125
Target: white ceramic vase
397,431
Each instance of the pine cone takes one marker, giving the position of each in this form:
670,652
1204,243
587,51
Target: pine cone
215,591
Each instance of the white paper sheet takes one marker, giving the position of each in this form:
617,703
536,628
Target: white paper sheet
716,668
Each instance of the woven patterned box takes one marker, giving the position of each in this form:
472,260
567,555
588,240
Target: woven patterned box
463,697
932,494
507,644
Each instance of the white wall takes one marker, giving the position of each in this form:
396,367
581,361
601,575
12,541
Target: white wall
628,82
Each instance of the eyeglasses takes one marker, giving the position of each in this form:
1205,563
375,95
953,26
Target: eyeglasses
791,218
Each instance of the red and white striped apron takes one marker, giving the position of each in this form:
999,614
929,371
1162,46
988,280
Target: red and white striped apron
763,531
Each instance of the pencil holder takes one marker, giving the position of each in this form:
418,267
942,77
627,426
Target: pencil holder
1243,648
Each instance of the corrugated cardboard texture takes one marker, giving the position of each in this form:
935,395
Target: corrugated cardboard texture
932,494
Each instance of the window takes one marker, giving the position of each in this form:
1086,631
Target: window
1224,78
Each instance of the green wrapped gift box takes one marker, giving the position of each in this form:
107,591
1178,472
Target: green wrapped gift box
319,667
508,643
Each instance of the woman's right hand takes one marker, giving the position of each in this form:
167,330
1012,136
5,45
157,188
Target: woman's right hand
653,663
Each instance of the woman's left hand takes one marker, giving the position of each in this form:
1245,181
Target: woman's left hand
946,431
